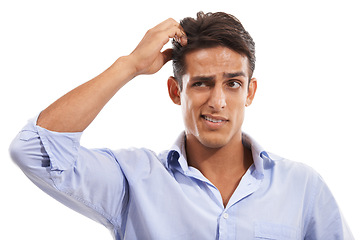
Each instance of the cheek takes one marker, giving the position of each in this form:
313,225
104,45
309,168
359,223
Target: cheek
190,103
186,108
237,98
237,107
191,109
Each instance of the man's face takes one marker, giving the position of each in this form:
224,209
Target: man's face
215,93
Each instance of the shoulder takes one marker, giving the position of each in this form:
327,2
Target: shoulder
302,184
138,159
284,163
135,155
297,171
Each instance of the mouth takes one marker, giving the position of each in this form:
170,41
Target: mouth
214,122
214,119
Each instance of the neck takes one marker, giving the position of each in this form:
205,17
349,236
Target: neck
231,159
223,167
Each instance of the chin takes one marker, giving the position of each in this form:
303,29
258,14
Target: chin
213,142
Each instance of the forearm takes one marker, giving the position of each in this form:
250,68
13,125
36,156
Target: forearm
77,109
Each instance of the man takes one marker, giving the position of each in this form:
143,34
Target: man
214,183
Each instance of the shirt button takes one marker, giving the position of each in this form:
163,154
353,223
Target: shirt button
226,215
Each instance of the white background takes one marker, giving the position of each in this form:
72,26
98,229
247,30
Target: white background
306,108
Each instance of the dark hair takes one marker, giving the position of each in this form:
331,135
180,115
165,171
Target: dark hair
212,30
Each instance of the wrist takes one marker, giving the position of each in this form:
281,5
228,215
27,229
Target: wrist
125,68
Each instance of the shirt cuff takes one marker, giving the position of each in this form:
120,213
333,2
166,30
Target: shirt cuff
61,147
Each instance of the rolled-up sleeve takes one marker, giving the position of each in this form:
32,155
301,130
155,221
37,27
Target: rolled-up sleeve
90,181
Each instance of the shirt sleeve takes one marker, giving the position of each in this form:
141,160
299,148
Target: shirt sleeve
326,220
90,181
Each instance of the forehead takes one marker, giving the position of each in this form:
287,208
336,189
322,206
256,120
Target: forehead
214,61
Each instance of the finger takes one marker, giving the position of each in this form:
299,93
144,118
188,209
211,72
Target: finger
168,23
169,29
177,34
167,55
181,40
173,28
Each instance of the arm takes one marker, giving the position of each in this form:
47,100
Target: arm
48,148
325,218
77,109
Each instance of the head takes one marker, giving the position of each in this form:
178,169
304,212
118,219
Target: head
211,30
213,78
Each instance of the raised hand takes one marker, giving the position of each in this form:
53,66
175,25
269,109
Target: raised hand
147,56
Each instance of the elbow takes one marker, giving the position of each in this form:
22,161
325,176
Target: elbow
28,153
18,152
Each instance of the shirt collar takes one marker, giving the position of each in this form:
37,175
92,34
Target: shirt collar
177,154
176,157
262,159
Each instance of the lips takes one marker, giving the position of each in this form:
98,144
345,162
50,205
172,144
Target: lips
214,121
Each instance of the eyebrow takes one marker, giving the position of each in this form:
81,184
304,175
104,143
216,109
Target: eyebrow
236,74
212,77
203,78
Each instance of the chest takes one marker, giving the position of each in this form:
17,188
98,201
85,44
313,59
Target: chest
183,207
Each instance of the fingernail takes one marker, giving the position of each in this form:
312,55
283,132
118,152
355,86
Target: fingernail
183,40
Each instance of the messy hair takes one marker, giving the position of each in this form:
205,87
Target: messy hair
211,30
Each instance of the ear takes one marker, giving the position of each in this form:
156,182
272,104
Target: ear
174,90
251,91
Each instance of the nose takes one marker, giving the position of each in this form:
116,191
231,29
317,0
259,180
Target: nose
217,99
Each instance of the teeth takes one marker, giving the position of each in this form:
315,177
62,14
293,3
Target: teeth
212,120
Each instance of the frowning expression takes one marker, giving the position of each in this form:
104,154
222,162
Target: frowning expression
216,90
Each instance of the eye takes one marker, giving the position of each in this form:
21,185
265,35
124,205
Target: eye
198,84
234,84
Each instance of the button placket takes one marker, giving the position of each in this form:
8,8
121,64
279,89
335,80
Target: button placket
223,226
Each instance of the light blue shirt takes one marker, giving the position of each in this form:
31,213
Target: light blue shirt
138,194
